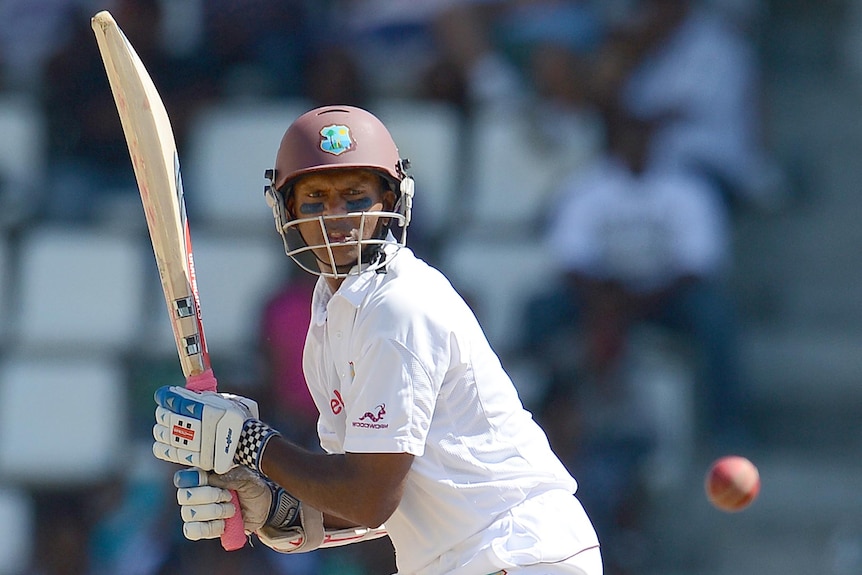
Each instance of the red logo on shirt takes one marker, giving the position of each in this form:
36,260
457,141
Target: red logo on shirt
337,404
371,418
380,411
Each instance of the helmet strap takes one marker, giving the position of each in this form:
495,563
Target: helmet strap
404,205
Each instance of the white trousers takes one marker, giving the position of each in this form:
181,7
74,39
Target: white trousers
587,562
531,538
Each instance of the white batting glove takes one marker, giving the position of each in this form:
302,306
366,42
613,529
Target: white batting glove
200,429
203,508
204,500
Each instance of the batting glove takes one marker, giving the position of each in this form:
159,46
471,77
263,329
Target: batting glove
203,429
204,500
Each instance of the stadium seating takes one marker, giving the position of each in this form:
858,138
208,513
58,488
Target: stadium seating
231,145
80,289
50,443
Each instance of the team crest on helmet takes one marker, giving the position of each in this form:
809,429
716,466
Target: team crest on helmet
336,139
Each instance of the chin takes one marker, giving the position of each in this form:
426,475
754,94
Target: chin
343,256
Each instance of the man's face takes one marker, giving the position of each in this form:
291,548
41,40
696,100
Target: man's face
337,193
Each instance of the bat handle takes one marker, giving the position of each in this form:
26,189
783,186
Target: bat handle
204,381
233,537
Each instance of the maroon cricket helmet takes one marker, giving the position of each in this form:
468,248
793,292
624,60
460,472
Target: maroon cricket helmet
336,137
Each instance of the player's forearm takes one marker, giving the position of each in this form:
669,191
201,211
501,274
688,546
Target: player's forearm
347,491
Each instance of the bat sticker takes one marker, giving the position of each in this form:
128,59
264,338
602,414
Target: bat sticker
192,344
185,307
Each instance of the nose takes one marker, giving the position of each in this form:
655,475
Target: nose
341,205
334,205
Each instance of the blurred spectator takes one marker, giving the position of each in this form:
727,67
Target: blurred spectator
604,439
91,170
136,522
640,245
436,49
63,522
260,46
332,76
30,32
391,40
687,67
563,112
463,31
520,152
554,43
634,247
574,24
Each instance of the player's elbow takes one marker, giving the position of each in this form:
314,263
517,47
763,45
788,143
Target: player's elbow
375,510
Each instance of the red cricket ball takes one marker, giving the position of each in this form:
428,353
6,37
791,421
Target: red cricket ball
732,483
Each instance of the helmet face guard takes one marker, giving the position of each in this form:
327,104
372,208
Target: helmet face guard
332,138
368,252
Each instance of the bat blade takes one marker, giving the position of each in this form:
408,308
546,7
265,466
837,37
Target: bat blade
154,158
153,152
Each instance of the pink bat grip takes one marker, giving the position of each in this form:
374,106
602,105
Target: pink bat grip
233,537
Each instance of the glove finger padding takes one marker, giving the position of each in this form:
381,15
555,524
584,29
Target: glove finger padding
207,512
197,530
193,477
205,495
202,508
200,429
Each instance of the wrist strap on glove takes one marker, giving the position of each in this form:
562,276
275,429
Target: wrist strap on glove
284,512
307,533
252,441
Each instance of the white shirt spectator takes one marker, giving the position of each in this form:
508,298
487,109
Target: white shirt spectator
644,230
704,79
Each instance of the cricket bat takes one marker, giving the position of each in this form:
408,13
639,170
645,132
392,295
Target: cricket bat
157,170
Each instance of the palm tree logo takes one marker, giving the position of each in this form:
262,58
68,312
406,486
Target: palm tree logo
335,139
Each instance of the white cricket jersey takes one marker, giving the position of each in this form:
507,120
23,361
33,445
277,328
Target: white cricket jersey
396,362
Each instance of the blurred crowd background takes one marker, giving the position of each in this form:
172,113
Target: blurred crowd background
651,205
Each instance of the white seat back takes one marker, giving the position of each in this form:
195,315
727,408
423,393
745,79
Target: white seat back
515,170
428,134
231,146
497,277
63,419
79,289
